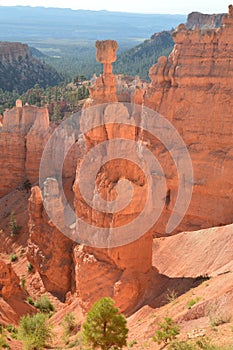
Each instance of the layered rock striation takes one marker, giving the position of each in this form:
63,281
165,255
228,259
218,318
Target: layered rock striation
104,87
193,90
122,272
204,21
10,52
49,251
24,133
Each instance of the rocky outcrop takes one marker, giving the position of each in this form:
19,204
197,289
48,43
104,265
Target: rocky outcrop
21,71
12,295
204,21
9,282
104,88
24,134
10,52
193,90
49,251
188,89
122,272
193,254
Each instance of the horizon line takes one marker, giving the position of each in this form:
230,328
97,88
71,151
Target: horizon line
104,10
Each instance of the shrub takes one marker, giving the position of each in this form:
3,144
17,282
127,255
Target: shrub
68,326
34,331
192,302
182,345
104,327
29,267
132,343
218,315
12,330
168,330
13,257
220,318
44,304
200,344
171,296
13,226
30,301
23,282
3,344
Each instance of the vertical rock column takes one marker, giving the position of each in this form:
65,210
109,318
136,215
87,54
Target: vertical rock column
122,272
104,88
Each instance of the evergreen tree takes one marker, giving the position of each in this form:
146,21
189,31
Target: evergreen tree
104,326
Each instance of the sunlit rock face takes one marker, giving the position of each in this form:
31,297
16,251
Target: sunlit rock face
25,131
193,89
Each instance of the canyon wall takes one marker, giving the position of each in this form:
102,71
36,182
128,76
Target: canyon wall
193,89
49,251
24,133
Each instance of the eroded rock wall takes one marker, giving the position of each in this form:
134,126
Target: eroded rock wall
24,133
122,272
193,89
49,251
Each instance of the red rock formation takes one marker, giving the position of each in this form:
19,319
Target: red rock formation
24,134
49,251
9,282
193,254
104,89
123,272
193,89
13,294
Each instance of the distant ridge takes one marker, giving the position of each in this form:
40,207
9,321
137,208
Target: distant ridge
20,71
30,24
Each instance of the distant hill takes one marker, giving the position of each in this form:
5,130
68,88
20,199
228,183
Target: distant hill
36,24
139,59
20,71
67,37
37,53
204,20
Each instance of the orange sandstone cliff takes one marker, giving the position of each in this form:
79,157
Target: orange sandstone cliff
24,133
123,272
193,89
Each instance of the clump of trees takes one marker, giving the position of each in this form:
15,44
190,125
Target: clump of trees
61,100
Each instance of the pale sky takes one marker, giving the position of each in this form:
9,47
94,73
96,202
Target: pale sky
142,6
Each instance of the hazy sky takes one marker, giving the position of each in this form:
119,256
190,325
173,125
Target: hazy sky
143,6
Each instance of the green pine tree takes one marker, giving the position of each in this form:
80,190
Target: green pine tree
104,326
